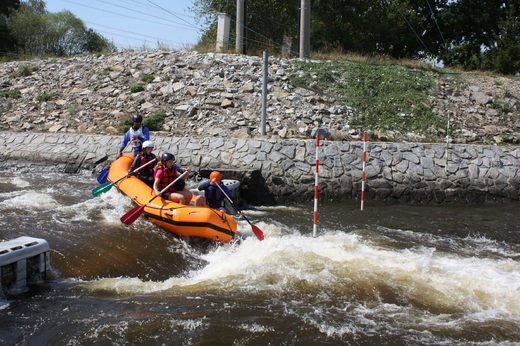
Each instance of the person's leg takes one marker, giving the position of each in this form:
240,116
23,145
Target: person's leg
186,194
176,197
200,201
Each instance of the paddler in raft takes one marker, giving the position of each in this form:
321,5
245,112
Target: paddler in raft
146,173
214,197
165,172
136,135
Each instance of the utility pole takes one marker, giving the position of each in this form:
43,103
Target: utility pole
305,29
222,32
240,46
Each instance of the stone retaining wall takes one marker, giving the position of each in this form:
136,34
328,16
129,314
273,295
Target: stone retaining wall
413,172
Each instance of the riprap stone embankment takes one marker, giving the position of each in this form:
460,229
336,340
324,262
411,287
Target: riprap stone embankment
410,172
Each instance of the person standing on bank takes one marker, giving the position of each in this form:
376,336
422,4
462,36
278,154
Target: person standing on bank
142,158
213,195
136,135
165,173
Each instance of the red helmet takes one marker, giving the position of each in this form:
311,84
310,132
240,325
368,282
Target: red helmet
215,175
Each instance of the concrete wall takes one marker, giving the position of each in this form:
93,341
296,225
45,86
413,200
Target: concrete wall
394,171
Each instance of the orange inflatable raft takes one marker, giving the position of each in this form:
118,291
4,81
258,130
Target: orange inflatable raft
176,218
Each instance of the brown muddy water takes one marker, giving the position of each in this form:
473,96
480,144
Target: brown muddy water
392,274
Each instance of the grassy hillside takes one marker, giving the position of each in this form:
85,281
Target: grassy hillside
386,97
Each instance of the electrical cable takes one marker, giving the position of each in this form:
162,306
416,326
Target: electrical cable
410,26
126,16
436,24
131,32
146,14
173,14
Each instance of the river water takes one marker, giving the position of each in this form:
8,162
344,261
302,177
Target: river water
392,274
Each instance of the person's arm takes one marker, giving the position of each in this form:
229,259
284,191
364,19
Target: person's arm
178,168
203,185
124,143
157,177
135,164
146,134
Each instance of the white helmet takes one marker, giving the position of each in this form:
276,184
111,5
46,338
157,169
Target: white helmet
148,144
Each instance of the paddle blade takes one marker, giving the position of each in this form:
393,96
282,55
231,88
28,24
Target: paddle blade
102,177
257,231
132,215
101,188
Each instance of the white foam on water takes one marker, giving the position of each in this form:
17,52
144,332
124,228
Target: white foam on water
118,329
30,199
270,230
255,328
265,210
190,324
339,261
113,205
277,208
12,194
19,182
471,245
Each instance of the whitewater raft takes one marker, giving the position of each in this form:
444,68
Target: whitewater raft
189,221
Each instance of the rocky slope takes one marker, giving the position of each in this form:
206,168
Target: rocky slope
219,95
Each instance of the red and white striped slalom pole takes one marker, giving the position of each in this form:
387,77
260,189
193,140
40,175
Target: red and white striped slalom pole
363,174
315,226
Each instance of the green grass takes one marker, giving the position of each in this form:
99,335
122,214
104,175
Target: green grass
154,122
148,78
73,110
384,96
14,94
46,96
136,88
25,71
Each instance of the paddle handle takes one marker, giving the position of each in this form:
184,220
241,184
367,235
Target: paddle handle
257,231
232,204
135,170
143,166
167,187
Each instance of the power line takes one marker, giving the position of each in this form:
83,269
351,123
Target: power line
130,32
173,14
259,34
126,16
386,2
435,21
142,5
145,14
137,38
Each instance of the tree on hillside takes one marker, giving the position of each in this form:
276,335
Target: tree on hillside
398,28
480,32
37,31
468,33
8,5
7,42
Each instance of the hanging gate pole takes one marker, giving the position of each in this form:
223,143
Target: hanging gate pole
363,174
447,143
315,226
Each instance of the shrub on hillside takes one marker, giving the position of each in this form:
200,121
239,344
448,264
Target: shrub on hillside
154,122
136,88
148,78
14,94
45,96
